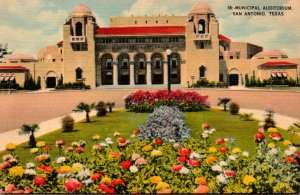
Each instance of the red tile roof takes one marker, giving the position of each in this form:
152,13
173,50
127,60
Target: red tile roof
12,67
151,30
223,38
60,42
268,64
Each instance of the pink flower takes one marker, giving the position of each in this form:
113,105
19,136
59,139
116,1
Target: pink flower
220,141
39,181
230,173
141,161
10,188
79,149
72,185
176,168
194,163
59,143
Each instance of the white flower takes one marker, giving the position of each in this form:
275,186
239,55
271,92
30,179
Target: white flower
109,142
223,163
216,168
87,181
30,165
222,179
293,149
61,175
108,139
207,132
171,141
117,134
13,160
135,156
273,151
276,138
204,135
7,157
60,159
245,153
103,144
212,130
30,172
195,155
226,139
232,157
288,152
184,170
132,136
133,169
84,173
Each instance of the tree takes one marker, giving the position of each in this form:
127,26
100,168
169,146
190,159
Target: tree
29,129
224,101
87,108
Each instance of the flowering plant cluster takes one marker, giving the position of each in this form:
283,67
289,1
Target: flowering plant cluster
146,101
200,164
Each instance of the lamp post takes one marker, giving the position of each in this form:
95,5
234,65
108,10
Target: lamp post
169,68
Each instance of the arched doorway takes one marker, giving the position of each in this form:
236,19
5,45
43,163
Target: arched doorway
107,69
140,69
123,69
78,29
157,68
175,68
51,79
234,77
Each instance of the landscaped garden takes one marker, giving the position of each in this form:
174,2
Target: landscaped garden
166,151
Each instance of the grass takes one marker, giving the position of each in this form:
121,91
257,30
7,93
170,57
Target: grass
227,126
278,88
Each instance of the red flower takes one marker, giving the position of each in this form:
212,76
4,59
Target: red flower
126,164
259,136
229,173
96,176
72,185
223,149
116,182
158,141
47,148
298,154
46,169
290,160
59,143
106,189
176,168
137,131
18,192
182,159
205,126
121,140
79,149
10,188
275,136
194,163
184,152
6,164
220,141
39,181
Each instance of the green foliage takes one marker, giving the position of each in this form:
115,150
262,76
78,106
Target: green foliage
211,84
60,81
269,119
67,124
110,105
73,86
9,85
101,108
224,102
29,129
246,116
84,107
30,84
234,108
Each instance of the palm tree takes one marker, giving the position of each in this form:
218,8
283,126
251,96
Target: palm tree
29,129
295,129
224,101
87,108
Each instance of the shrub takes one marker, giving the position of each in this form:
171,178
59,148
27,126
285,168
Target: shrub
246,116
76,85
67,124
211,84
101,108
166,123
234,108
269,121
110,105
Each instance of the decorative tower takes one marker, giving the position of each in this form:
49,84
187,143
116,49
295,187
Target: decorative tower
79,46
202,44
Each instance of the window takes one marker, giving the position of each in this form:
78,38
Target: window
221,78
201,26
53,60
173,63
201,45
146,22
167,21
125,65
231,57
202,71
156,21
135,22
221,57
78,73
108,64
78,29
157,64
142,65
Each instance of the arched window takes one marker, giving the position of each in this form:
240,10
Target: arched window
201,26
78,29
78,73
202,71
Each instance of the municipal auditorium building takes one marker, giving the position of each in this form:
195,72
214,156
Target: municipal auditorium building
135,51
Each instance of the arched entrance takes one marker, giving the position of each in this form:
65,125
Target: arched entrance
175,68
51,80
234,77
157,68
140,69
123,69
107,69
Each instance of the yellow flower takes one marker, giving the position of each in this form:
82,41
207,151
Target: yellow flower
287,142
34,150
248,179
155,179
76,167
75,144
236,150
212,150
156,153
147,148
16,171
106,180
272,130
96,137
200,181
10,146
211,159
271,145
261,123
162,185
64,169
40,144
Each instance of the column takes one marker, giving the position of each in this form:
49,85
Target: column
148,74
131,73
115,74
165,72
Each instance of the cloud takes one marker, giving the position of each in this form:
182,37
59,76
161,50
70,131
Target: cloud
20,7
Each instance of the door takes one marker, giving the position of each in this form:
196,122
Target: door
233,79
51,82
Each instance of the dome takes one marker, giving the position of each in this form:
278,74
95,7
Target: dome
20,57
200,7
270,54
82,10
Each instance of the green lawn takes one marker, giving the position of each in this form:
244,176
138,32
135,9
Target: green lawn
278,88
227,126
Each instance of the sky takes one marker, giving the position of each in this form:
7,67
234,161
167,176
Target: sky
28,25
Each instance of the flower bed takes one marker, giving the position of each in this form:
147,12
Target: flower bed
117,165
146,101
